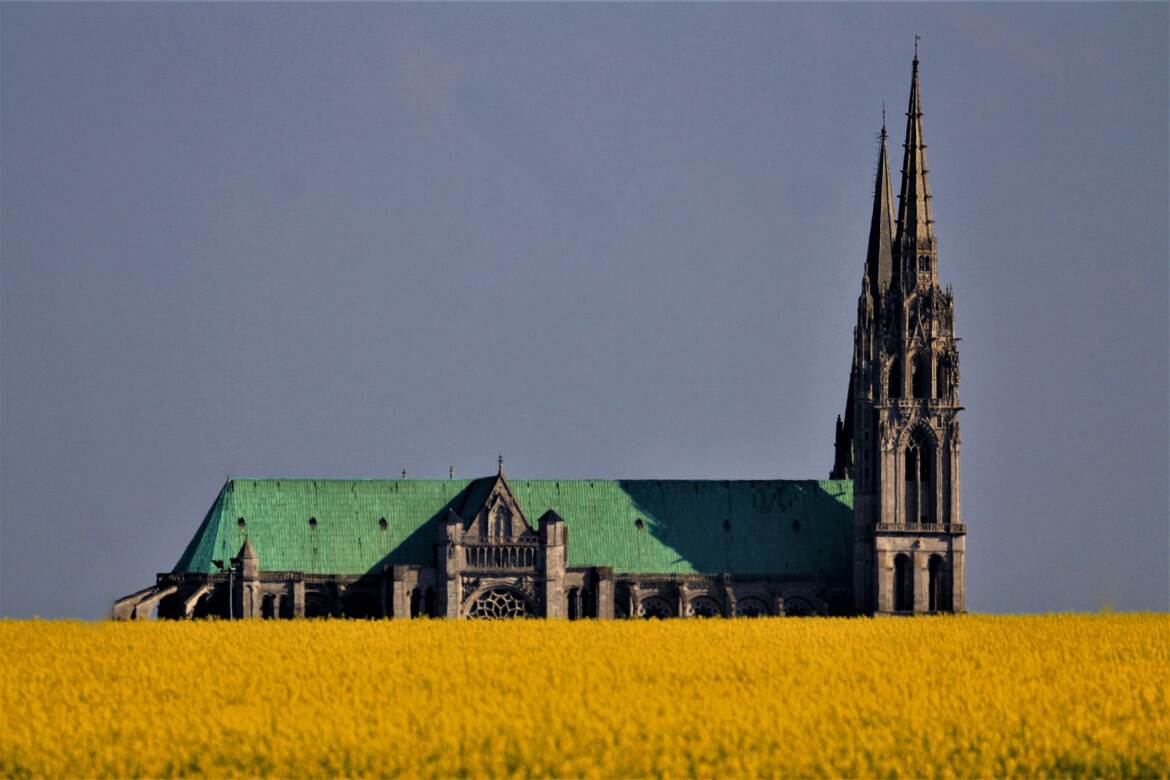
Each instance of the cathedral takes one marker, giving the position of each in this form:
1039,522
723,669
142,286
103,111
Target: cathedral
883,535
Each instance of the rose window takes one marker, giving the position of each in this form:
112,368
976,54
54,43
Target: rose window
655,607
751,607
704,607
499,603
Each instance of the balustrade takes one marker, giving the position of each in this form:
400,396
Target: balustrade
511,555
922,528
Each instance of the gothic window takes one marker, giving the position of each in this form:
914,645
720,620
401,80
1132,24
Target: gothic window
903,584
918,474
937,588
704,607
751,607
943,381
268,606
655,607
918,377
621,602
499,603
501,527
924,264
798,607
894,389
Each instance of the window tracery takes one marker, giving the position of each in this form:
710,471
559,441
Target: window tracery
751,607
499,604
655,607
704,607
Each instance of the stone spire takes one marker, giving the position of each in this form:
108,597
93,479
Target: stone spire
879,260
247,552
915,223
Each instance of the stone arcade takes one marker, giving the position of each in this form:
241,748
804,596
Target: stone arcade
882,535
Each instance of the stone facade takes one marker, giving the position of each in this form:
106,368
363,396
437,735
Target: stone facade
497,564
898,443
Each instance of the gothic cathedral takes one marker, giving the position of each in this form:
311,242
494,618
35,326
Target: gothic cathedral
883,535
899,441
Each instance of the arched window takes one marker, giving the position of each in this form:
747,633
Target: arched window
574,604
918,377
751,607
704,607
918,473
894,386
795,606
903,584
942,380
654,607
268,606
939,585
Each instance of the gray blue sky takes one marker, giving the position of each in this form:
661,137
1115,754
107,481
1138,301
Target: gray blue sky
607,241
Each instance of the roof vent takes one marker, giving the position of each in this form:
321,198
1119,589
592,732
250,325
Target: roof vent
240,522
312,522
638,523
382,524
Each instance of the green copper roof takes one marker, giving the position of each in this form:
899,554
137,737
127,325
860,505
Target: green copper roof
741,527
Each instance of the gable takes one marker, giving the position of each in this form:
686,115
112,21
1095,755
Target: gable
634,526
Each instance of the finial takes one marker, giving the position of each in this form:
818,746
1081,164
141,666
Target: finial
450,472
883,119
917,38
500,462
404,473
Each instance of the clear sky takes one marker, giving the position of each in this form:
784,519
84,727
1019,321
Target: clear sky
606,241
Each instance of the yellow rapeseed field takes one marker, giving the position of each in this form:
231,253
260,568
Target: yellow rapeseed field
960,696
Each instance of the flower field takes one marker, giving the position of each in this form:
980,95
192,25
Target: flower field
959,696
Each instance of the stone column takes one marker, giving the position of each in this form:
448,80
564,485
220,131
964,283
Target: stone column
603,577
448,564
680,608
728,594
941,485
553,540
921,561
298,598
958,574
399,598
885,581
956,512
247,590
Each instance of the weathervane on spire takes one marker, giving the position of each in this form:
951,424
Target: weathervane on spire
917,38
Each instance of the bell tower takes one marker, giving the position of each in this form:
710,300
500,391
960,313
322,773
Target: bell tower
899,441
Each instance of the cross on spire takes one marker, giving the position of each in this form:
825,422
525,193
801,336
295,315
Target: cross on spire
500,462
917,38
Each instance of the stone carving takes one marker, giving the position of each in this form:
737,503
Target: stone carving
499,603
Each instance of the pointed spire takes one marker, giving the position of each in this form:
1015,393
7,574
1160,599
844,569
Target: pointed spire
247,552
879,260
915,224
